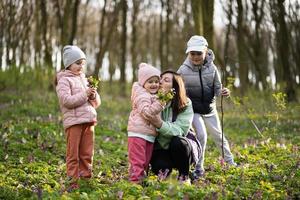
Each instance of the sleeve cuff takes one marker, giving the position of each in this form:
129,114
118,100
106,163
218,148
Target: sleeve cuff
163,128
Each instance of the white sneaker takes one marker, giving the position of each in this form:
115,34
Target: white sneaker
232,163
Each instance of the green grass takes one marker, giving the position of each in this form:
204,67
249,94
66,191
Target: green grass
32,150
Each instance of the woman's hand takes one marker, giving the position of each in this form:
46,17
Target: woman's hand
155,120
225,92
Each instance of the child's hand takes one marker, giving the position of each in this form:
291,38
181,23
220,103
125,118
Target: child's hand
90,92
92,96
225,92
163,103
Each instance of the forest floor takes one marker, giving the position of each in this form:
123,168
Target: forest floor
32,151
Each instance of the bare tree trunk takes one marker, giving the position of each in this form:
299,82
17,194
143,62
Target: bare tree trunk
198,16
2,29
74,21
112,67
58,15
37,37
226,48
283,47
259,58
64,18
155,40
104,44
65,29
44,27
162,36
25,37
208,26
100,53
60,24
10,34
203,13
167,35
83,21
124,48
242,53
147,40
135,12
294,21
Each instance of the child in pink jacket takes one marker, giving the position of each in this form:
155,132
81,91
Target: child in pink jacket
78,105
141,133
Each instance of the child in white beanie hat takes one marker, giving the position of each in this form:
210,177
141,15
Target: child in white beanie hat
141,133
203,85
78,103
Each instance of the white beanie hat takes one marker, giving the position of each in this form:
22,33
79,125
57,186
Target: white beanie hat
196,43
145,72
71,54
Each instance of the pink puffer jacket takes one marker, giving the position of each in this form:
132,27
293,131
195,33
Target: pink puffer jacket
142,102
74,103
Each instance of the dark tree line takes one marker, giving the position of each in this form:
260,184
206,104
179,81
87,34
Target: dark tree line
263,40
258,44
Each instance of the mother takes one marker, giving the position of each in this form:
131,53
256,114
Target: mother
171,150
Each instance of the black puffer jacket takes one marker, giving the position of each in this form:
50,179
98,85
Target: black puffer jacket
202,83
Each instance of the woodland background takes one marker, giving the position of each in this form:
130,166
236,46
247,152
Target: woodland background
256,44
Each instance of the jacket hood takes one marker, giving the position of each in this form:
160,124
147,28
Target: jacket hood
67,73
137,89
210,57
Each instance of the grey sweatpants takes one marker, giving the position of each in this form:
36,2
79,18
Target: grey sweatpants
210,123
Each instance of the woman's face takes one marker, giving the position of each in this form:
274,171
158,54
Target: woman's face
197,57
166,81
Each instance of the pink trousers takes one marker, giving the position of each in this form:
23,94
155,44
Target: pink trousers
139,155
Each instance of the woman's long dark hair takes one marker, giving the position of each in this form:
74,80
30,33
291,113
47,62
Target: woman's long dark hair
179,102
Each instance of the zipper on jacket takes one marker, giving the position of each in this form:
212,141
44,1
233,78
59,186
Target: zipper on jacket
202,90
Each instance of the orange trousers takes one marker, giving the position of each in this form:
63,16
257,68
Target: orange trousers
80,150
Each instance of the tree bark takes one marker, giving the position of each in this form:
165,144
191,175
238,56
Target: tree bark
2,29
284,52
104,44
294,21
83,22
74,21
123,48
25,39
167,36
242,53
198,16
44,27
208,25
135,13
162,36
259,53
64,18
224,73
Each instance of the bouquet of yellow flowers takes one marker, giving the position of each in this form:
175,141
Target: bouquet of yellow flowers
93,82
164,96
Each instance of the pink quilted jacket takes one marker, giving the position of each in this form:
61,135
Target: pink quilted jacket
142,102
74,103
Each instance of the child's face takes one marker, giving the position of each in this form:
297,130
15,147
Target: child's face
152,85
197,57
77,67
